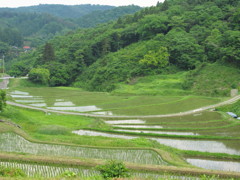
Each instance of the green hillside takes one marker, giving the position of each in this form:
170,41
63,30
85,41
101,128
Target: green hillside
62,11
175,36
98,17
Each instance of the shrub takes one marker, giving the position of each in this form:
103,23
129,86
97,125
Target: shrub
69,174
113,169
11,172
39,75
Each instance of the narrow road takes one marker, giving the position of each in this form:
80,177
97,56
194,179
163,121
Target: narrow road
4,82
232,100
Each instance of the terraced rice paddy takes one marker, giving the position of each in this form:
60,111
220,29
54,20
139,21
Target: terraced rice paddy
215,164
10,142
193,145
63,99
47,171
38,170
157,132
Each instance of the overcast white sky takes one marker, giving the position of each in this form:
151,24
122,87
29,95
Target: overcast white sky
18,3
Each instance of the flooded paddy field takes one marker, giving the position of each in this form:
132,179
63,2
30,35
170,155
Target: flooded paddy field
215,164
47,171
50,171
213,146
10,142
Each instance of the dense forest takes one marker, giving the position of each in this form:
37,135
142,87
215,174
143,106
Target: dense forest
61,11
98,17
177,35
34,25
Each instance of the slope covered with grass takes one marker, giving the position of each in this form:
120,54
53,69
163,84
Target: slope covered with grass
213,79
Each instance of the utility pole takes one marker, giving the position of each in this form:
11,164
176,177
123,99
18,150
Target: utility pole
3,64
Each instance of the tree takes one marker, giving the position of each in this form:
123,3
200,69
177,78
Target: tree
156,58
48,53
39,75
2,100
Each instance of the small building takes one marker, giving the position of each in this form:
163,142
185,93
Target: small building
232,114
26,48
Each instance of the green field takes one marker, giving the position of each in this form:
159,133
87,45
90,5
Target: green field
147,140
74,99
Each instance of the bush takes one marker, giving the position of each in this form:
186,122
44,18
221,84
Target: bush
39,75
113,169
69,174
11,172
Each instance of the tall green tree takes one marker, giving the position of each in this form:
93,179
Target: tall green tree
156,59
2,100
48,53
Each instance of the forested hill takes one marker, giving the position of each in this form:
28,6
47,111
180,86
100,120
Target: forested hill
98,17
33,26
62,11
177,35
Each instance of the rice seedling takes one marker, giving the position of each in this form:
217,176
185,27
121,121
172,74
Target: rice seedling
10,142
39,170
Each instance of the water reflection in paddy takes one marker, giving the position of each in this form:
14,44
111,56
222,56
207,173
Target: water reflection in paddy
138,126
194,145
39,104
20,93
215,165
158,132
108,113
94,133
198,145
30,101
76,108
21,96
137,121
66,103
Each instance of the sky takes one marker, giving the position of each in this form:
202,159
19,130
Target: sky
19,3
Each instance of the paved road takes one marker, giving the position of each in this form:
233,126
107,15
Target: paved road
232,100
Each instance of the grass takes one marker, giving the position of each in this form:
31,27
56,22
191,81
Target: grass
235,108
165,85
214,80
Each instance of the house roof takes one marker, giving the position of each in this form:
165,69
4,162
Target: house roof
26,47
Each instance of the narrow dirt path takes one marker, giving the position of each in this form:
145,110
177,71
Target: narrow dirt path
229,101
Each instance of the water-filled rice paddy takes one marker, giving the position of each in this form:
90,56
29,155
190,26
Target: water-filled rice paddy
10,142
48,171
217,146
215,164
38,170
157,132
64,99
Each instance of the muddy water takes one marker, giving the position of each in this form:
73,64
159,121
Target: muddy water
215,165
